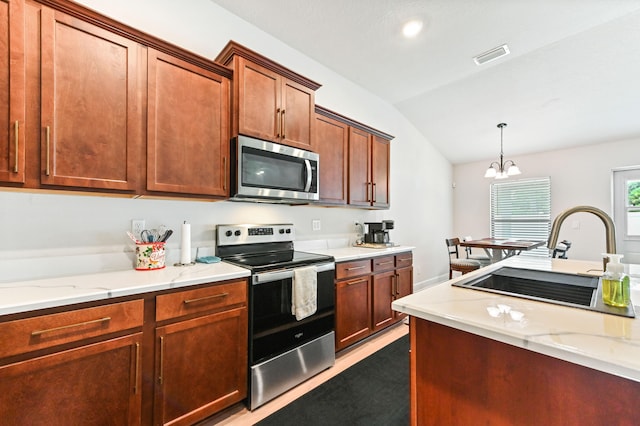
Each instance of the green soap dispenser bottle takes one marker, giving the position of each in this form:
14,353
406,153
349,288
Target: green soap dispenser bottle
615,283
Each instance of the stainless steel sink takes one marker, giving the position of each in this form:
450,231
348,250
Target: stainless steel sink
577,291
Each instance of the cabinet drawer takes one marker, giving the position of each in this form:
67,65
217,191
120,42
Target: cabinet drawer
404,260
200,300
45,331
384,263
353,269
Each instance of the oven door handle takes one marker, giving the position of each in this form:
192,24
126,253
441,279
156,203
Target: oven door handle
266,277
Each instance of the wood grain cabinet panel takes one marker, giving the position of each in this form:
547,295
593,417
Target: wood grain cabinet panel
90,105
201,366
272,107
369,166
187,127
332,144
380,168
353,310
97,384
46,331
383,294
12,91
359,167
270,101
187,302
365,290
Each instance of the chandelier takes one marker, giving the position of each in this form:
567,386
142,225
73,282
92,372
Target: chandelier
497,170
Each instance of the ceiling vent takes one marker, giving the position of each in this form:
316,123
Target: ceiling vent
491,55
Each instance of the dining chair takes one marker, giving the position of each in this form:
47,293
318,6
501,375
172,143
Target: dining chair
456,263
561,249
482,258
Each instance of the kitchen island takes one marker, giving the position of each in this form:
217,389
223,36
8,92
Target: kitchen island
479,357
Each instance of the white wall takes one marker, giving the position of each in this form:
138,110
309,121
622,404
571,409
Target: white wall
43,234
579,176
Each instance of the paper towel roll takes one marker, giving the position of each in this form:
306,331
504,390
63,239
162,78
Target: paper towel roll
185,248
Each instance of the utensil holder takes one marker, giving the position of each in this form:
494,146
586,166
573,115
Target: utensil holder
150,256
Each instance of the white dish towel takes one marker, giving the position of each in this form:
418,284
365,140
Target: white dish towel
304,292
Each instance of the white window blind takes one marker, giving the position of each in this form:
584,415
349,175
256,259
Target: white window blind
521,209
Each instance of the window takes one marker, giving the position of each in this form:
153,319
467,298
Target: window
626,212
521,210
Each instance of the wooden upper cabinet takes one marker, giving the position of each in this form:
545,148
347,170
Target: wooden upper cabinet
332,144
369,166
380,167
271,102
187,127
359,167
90,105
12,91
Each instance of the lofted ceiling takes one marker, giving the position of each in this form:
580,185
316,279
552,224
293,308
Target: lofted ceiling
572,77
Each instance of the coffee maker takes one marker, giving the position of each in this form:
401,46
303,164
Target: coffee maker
378,233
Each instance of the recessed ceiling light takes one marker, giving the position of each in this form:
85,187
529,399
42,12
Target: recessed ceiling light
412,28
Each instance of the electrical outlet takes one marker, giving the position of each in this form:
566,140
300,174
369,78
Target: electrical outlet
137,226
315,224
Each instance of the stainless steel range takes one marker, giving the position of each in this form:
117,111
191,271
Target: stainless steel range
285,348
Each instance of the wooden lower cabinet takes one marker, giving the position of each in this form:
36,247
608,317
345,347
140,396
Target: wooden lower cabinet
353,311
202,366
365,290
459,378
200,352
173,357
94,384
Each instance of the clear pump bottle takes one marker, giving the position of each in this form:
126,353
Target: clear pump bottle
615,283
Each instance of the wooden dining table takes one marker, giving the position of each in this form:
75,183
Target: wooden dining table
500,248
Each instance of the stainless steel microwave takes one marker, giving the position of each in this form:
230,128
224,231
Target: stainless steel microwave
269,172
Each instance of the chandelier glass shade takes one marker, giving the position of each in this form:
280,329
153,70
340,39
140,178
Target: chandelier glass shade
502,169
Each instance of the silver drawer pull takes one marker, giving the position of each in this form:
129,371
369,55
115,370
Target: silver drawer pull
200,299
385,263
357,281
355,268
64,327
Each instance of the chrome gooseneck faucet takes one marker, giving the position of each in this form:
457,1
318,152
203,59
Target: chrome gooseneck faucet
606,219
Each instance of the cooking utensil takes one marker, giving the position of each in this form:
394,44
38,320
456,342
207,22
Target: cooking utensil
150,235
166,235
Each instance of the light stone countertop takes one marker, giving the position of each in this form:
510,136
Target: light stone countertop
600,341
24,296
344,254
31,295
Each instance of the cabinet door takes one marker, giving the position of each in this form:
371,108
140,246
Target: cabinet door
332,143
258,101
297,115
97,384
380,156
187,127
404,286
359,168
90,117
12,91
201,366
383,294
353,311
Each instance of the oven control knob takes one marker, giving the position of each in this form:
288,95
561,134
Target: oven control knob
281,231
237,233
228,233
288,230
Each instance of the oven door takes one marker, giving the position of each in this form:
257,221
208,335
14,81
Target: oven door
272,328
269,170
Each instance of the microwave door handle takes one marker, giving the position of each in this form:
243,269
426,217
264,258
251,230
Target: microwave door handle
307,186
